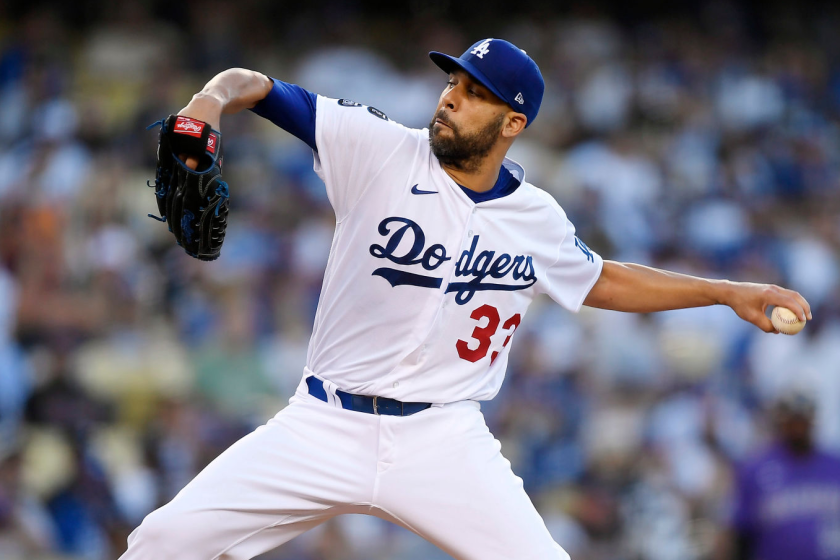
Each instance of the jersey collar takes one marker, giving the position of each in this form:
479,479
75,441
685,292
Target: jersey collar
511,176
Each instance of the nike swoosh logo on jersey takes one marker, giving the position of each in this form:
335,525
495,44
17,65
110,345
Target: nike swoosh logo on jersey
415,190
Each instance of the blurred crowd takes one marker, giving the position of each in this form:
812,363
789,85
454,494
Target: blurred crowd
706,142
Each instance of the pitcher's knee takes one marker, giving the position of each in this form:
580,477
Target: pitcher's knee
166,534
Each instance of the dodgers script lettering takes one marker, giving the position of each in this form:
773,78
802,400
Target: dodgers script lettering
474,264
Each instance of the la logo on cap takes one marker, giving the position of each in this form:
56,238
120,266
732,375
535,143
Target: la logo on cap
509,73
482,49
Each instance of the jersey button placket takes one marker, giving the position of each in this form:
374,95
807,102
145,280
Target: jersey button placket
465,245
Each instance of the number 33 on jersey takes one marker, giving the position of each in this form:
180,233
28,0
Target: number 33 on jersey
424,287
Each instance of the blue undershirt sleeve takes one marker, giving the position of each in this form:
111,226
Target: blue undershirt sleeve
292,108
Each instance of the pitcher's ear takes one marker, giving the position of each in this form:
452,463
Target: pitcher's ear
515,124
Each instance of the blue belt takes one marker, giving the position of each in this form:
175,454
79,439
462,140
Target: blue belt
363,403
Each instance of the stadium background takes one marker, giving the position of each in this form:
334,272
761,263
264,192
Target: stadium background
701,137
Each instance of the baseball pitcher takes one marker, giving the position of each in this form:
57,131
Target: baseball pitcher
440,245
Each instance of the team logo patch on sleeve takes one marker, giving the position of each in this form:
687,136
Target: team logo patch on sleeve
377,113
584,249
348,103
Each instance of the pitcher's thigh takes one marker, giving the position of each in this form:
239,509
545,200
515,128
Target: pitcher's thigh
461,494
169,534
273,484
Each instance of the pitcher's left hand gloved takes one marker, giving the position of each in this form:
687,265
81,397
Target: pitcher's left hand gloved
193,202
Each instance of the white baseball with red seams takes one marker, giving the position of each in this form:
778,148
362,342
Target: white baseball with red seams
785,321
422,296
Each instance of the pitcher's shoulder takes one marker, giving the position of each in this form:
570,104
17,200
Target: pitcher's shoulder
535,196
361,115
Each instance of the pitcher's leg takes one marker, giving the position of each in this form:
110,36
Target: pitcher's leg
168,533
450,484
307,464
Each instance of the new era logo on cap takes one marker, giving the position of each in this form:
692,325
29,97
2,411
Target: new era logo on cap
509,73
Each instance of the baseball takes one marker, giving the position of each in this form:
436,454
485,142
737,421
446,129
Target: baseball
785,321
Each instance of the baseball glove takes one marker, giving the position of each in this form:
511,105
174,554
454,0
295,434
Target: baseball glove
193,203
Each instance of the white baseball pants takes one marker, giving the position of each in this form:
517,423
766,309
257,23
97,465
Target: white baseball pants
438,473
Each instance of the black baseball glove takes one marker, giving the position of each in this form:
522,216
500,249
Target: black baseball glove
193,203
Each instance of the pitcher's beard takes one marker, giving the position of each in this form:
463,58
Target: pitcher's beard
463,152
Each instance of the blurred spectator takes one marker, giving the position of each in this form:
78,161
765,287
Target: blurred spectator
786,501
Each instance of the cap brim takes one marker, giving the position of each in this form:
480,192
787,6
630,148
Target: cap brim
448,63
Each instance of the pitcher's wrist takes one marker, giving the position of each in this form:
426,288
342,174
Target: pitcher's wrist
722,291
204,107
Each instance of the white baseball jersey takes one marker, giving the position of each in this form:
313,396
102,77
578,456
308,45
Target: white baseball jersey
425,288
423,291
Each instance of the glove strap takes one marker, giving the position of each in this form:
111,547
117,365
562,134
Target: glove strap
192,137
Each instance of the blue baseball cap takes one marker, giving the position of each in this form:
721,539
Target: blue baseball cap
504,69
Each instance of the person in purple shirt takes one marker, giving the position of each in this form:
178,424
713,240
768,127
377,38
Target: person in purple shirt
786,501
